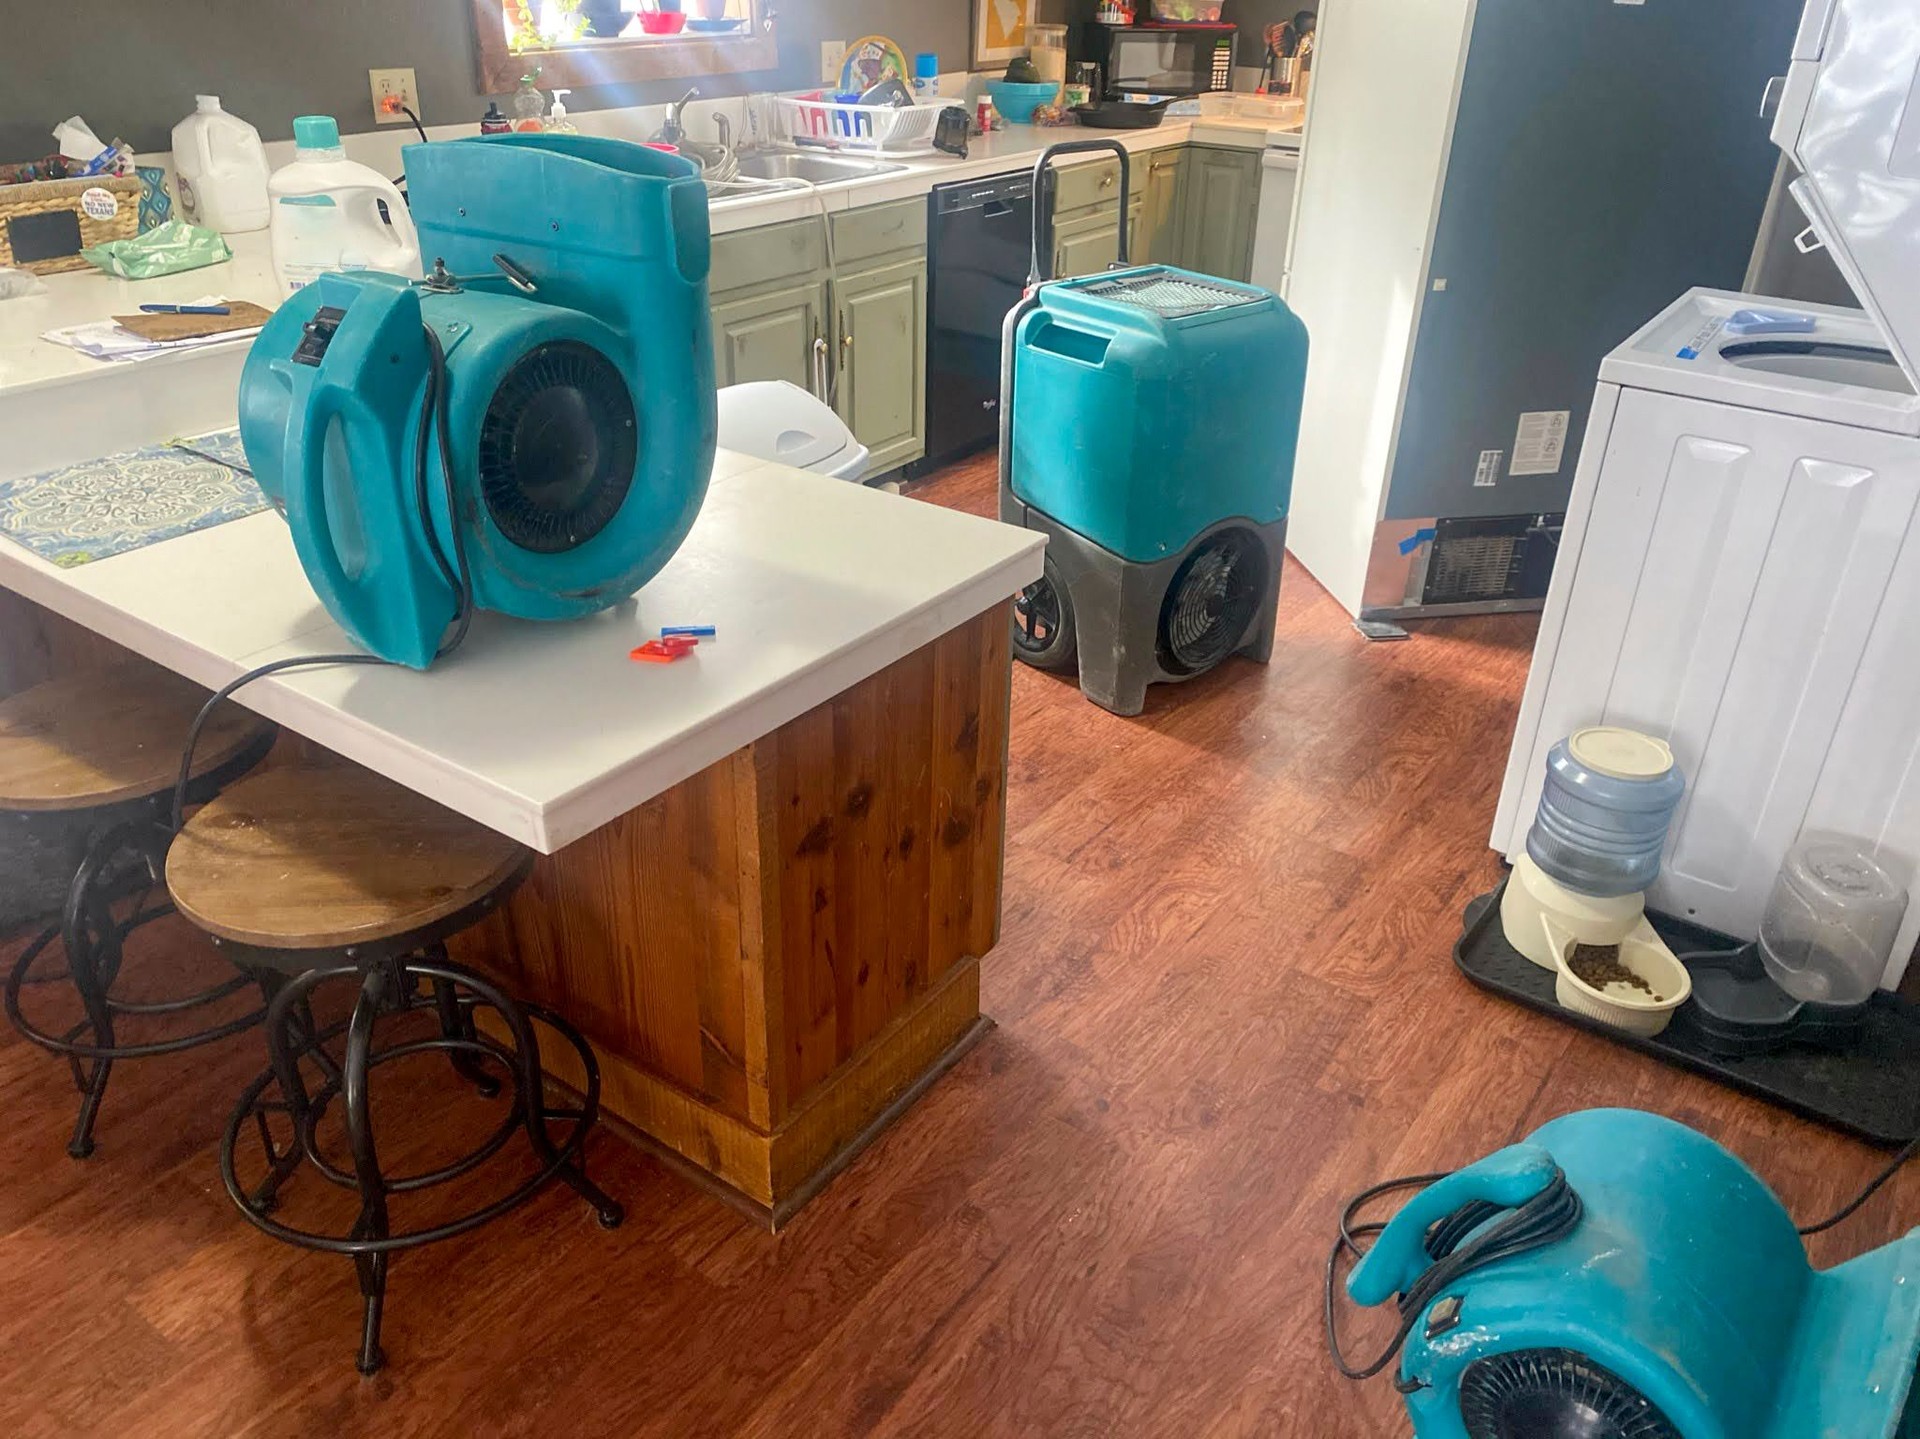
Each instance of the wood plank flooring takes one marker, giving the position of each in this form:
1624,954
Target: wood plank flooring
1224,1001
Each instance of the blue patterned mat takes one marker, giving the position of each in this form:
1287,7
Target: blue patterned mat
109,506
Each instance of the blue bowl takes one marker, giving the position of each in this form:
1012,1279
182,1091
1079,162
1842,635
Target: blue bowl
1016,102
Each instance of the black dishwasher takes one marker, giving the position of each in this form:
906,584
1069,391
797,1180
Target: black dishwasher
979,244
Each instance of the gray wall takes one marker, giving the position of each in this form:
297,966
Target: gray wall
270,60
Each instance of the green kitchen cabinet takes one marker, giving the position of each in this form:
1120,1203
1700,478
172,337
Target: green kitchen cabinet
777,334
880,350
1221,204
1088,240
1160,212
852,332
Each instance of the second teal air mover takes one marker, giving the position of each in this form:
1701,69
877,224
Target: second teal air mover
1149,418
553,374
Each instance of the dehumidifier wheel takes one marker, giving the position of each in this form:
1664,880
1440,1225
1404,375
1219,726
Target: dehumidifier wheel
1554,1394
1043,632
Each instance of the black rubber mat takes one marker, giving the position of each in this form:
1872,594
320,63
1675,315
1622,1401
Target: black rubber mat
1872,1090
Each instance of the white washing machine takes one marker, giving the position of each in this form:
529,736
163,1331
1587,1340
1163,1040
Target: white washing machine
1740,571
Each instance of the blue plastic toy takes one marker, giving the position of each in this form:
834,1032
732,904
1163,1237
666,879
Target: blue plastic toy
569,296
1679,1306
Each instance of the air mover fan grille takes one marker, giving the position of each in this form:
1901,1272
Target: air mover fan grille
557,448
1214,596
1554,1394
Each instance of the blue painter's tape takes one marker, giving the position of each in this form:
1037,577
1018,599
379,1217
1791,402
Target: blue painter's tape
1418,538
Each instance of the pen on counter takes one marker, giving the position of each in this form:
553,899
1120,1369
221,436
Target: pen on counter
186,309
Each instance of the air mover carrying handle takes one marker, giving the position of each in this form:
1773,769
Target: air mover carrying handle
1042,267
1509,1178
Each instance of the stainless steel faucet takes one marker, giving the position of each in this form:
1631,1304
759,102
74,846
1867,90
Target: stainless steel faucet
673,132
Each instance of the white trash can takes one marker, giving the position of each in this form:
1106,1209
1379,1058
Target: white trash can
778,421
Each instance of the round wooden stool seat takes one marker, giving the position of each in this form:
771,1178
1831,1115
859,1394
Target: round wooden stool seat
110,736
328,857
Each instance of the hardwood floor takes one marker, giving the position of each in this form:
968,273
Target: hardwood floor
1224,1001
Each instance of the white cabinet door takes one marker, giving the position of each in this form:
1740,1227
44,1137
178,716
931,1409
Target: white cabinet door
1747,586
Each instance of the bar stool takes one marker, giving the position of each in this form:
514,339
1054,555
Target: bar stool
88,764
310,877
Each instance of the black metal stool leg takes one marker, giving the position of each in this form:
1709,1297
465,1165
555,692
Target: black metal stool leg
85,951
457,1023
289,1033
533,1092
372,1267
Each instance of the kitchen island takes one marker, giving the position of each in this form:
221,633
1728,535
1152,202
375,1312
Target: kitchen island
767,873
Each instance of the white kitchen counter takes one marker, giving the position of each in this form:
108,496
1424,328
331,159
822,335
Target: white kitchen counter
546,732
59,407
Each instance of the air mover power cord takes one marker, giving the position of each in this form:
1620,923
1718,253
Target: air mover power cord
457,572
1549,1216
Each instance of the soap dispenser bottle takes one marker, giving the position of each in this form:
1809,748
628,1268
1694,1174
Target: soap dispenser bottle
529,108
558,122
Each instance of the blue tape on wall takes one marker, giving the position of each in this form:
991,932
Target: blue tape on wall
1418,538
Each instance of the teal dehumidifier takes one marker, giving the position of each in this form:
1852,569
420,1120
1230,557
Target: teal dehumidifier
1148,420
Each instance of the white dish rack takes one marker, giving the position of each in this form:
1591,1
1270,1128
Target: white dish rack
865,129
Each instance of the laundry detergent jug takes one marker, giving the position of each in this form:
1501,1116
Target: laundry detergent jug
220,169
330,213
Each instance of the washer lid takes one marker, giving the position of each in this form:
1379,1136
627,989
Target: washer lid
1849,117
778,421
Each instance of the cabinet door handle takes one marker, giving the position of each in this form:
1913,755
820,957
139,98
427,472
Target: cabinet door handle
1108,181
846,342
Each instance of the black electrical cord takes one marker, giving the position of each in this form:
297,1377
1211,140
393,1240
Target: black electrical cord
1852,1206
457,572
1457,1245
418,128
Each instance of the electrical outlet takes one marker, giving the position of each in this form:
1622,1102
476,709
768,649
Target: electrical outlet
394,92
832,53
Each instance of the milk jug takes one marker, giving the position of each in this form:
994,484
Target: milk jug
219,169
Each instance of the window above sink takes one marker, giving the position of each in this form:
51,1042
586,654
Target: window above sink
601,42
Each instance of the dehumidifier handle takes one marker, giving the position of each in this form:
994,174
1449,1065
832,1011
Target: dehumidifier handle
1508,1178
1041,269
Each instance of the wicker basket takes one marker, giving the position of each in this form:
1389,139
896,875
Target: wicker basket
80,197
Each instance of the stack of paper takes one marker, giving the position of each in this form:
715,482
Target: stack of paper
105,340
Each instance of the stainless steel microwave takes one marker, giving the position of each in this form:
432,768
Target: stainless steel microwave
1160,59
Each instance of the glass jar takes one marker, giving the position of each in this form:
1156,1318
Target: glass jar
1047,47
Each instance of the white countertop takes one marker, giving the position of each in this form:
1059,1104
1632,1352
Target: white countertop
545,732
171,390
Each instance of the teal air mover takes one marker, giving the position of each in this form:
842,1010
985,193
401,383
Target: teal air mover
552,375
1149,418
1619,1276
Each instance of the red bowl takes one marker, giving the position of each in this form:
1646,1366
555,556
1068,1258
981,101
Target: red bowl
663,22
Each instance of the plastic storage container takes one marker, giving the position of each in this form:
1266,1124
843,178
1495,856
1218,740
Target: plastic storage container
1187,12
220,170
778,421
1829,929
1609,798
1047,48
327,213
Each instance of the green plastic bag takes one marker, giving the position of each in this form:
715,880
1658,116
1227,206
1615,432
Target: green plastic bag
164,250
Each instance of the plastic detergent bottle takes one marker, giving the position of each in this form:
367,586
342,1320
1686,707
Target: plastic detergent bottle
220,169
558,122
529,109
327,212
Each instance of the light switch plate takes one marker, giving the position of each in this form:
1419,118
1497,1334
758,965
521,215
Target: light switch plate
392,89
832,53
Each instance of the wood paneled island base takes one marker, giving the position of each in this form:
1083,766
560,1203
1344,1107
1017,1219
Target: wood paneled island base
775,955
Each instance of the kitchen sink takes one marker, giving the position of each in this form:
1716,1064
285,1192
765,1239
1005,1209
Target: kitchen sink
814,169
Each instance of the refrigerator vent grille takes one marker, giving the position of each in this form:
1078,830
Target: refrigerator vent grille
1472,568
